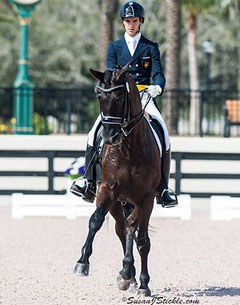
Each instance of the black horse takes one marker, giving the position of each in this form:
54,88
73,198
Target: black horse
130,175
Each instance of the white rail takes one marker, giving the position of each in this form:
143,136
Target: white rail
224,208
71,207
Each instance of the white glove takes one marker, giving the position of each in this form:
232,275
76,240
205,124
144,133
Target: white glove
154,90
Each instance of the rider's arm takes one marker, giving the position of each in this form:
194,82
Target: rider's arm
111,57
157,70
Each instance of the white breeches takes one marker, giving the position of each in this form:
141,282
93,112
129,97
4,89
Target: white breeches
91,134
150,108
154,112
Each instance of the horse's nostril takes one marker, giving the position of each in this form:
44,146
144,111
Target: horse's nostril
112,139
115,136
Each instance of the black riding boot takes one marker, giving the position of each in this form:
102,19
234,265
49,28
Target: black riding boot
166,197
86,188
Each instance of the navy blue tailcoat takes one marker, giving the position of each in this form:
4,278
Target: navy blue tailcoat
145,64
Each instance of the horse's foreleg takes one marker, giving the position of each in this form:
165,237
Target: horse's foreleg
128,271
143,245
117,213
95,223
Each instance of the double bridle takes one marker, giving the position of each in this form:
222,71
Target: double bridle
126,123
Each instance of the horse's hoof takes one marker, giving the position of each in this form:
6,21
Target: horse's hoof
133,287
122,283
81,269
144,292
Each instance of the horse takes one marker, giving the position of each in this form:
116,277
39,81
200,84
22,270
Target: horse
131,164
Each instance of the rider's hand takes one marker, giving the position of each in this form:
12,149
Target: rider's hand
154,90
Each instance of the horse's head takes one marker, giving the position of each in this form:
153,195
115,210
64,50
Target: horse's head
113,94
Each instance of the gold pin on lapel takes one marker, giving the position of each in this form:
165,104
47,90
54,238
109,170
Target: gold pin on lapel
146,64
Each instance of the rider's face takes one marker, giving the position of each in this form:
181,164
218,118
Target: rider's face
132,25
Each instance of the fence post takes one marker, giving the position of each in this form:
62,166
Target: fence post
50,173
69,104
201,115
45,112
178,173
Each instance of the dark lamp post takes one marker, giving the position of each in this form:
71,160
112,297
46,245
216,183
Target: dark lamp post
23,108
208,50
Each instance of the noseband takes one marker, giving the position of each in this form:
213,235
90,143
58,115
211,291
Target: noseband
126,123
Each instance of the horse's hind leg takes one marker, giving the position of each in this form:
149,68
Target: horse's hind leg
117,213
143,245
95,223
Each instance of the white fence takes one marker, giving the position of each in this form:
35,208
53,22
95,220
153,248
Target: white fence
224,208
71,207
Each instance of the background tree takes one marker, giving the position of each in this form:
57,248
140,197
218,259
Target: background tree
9,42
6,7
192,10
65,41
172,66
109,9
238,14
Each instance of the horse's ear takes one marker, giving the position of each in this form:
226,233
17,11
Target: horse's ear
98,75
124,70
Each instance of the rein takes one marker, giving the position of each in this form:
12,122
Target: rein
127,124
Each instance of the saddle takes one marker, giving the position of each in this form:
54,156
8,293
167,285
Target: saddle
159,131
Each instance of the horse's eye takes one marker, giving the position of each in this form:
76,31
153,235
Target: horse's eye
119,100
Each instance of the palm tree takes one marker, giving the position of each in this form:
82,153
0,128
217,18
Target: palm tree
6,7
192,12
238,46
192,9
172,63
108,10
232,7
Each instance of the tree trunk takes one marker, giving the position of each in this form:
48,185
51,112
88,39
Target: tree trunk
10,7
108,9
239,47
170,108
193,74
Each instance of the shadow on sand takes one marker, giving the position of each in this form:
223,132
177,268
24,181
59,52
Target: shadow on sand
213,292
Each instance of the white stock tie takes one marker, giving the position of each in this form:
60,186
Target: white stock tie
132,46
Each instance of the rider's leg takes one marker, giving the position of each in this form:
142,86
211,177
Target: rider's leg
152,109
86,188
164,196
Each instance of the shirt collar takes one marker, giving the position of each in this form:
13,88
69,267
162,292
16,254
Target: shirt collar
130,38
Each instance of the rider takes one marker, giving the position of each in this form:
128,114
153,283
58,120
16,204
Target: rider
143,57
